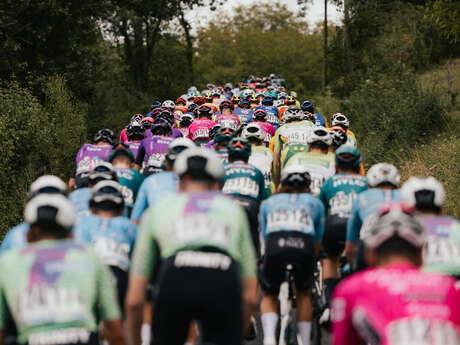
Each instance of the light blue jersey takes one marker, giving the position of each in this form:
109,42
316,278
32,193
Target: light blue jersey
154,188
364,209
292,212
112,238
15,238
80,201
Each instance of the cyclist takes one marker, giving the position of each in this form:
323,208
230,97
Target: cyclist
442,248
152,150
226,118
129,178
80,197
342,121
111,235
169,105
253,101
46,184
260,118
271,110
136,133
337,195
261,157
184,123
181,105
158,186
155,105
199,129
235,100
197,233
56,291
208,101
287,102
89,155
292,225
383,180
395,302
135,118
221,140
307,106
244,111
169,117
315,160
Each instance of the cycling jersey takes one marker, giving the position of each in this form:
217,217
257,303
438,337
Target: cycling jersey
123,136
191,221
351,138
396,305
262,158
272,114
152,151
320,120
231,121
442,250
80,201
339,191
364,209
243,179
199,129
89,156
175,133
292,133
289,151
292,212
153,189
268,129
223,155
130,180
183,130
55,289
134,147
15,238
111,238
317,164
244,114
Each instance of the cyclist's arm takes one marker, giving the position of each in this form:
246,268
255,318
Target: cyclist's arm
113,332
141,203
277,167
319,226
140,157
353,226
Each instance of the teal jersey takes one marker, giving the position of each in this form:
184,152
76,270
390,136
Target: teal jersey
55,288
223,155
189,222
243,179
130,180
112,238
339,191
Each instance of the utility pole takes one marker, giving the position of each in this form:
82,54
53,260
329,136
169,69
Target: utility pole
325,49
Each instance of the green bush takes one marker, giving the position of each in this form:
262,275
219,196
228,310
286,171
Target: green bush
38,138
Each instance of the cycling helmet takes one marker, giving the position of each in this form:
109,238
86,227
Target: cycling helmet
267,100
147,122
102,171
136,118
295,176
307,116
223,134
198,100
253,99
320,134
200,164
253,130
292,113
247,93
166,116
239,148
282,95
185,120
204,110
107,195
192,108
226,104
245,104
213,130
50,209
49,184
168,105
396,219
293,94
383,173
423,192
340,120
307,106
155,104
154,113
121,150
243,86
339,136
236,99
105,135
290,101
208,97
180,100
176,147
259,115
347,156
135,131
161,127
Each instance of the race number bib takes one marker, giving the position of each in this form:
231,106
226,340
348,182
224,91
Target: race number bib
241,185
290,220
128,195
441,251
87,164
112,253
156,160
317,181
272,118
296,136
418,331
202,133
229,124
341,203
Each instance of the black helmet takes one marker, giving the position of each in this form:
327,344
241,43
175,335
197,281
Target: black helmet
108,196
135,131
347,157
102,171
239,148
295,176
105,135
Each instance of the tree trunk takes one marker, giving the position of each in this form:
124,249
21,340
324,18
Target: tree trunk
189,51
325,49
346,46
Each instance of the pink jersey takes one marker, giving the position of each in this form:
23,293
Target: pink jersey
267,128
199,129
183,130
396,305
231,121
123,136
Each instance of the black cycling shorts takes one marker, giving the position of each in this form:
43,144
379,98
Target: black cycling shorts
287,247
204,286
121,278
251,208
335,233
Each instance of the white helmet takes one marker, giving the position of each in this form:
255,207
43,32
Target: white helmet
423,191
54,208
199,163
383,173
168,104
47,184
295,174
253,130
340,120
292,113
282,94
247,93
320,134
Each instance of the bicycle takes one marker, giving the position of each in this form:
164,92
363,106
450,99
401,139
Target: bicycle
288,334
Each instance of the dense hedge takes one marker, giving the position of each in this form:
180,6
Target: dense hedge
38,137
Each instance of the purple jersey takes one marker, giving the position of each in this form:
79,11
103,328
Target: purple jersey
175,133
90,155
134,147
155,149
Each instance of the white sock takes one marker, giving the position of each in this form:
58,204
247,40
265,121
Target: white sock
269,321
304,328
146,333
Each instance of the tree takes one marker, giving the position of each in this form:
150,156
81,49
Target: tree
445,15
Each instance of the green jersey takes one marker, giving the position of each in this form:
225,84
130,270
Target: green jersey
292,133
291,150
243,179
262,158
339,191
56,289
190,222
